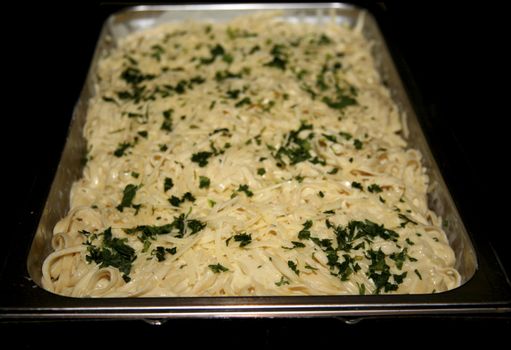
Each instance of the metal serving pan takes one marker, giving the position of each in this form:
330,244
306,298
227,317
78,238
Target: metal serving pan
485,287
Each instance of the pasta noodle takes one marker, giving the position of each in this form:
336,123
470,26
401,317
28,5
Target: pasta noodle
250,157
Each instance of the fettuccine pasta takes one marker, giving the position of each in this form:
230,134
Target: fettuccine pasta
250,157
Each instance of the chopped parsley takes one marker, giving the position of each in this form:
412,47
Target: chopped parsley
157,51
113,252
244,239
297,149
292,266
167,120
201,158
215,51
418,274
296,244
374,188
254,49
127,198
343,265
305,232
176,227
135,174
279,60
233,94
246,190
357,143
225,74
341,103
379,272
324,40
109,99
167,184
133,76
358,185
321,194
235,33
227,58
204,182
242,102
195,226
399,278
346,135
261,171
122,147
160,252
218,268
283,281
399,258
176,201
223,131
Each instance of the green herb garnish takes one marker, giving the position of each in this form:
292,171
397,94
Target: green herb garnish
279,57
292,266
204,182
243,101
341,103
283,281
160,252
201,158
113,252
218,268
296,244
305,232
357,143
167,184
374,188
176,201
358,185
244,239
127,198
246,189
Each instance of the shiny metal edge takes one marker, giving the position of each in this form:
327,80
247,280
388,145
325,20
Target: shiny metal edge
251,312
248,6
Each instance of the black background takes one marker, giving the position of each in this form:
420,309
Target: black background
455,56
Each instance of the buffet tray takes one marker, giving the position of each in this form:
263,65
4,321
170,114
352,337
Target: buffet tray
485,287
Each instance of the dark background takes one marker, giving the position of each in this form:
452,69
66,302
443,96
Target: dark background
454,56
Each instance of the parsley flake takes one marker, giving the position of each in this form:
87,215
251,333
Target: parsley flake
127,198
217,268
204,182
167,184
283,281
292,266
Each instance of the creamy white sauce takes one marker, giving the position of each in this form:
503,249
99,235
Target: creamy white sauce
238,90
